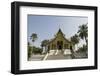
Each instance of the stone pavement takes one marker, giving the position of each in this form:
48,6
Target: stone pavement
57,57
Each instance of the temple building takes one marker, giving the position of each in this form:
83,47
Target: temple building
59,44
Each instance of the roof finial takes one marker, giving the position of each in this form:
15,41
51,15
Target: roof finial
59,27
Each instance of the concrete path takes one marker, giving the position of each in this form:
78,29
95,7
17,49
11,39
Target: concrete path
36,57
56,57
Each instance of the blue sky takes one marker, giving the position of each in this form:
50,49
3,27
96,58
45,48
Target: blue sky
46,26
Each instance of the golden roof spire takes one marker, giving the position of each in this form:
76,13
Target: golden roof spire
59,27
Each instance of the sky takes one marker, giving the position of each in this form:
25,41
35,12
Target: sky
46,26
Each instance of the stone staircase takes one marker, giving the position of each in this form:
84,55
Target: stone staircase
57,55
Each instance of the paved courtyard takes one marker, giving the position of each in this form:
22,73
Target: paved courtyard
56,57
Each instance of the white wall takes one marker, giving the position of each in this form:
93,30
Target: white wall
5,41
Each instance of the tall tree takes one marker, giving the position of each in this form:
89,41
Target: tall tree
29,50
44,43
75,39
83,32
33,37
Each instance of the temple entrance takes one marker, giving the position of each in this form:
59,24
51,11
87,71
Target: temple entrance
60,45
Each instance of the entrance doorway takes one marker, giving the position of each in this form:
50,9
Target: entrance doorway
60,45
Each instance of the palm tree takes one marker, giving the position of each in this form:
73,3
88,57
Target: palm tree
44,43
33,37
83,32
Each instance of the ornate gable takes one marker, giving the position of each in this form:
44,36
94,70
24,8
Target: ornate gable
60,33
60,36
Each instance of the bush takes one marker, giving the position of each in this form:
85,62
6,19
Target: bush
83,49
36,50
33,50
29,51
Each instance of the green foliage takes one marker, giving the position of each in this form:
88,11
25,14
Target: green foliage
36,50
83,49
44,43
75,39
33,37
29,51
33,50
83,32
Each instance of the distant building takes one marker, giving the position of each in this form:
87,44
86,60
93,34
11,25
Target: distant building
59,44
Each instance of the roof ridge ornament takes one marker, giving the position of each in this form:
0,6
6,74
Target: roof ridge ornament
59,26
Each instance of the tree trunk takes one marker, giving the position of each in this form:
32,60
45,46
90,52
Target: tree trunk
72,52
85,40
